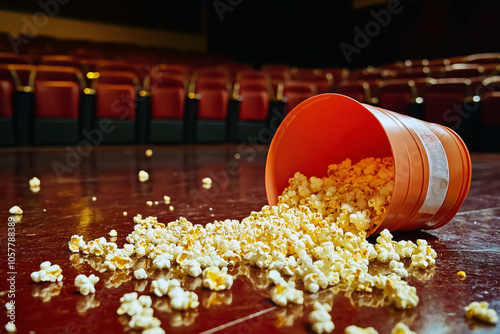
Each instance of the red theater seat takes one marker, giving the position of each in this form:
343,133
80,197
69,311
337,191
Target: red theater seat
254,100
483,58
443,100
396,95
461,71
173,70
7,88
168,99
57,91
168,96
14,58
116,94
339,74
358,90
322,81
295,92
63,60
490,114
253,75
414,72
213,99
116,101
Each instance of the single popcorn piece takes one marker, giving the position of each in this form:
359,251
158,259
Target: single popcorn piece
76,243
47,273
143,176
171,208
191,267
206,183
480,311
183,300
94,198
166,199
320,318
149,152
358,330
125,213
140,274
86,284
15,210
113,233
161,286
284,292
149,203
401,328
461,274
35,182
217,279
10,327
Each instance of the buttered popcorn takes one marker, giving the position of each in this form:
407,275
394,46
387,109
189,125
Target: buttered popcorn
284,292
320,318
47,273
480,311
217,279
355,197
141,313
86,284
316,235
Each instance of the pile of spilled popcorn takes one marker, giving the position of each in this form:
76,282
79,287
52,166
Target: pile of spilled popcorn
315,238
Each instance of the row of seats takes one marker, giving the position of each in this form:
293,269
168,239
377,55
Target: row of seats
176,103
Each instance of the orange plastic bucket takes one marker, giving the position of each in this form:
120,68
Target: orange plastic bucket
432,163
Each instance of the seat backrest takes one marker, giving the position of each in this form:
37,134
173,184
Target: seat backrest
491,69
254,99
179,71
414,72
116,93
213,98
59,73
358,90
57,91
63,60
396,95
118,78
168,96
294,92
444,99
484,58
254,75
461,71
339,74
7,88
14,58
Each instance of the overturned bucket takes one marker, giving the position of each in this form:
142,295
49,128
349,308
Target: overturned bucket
432,163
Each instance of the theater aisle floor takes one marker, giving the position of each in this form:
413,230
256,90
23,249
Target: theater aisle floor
86,192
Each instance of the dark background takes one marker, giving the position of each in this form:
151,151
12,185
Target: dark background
304,33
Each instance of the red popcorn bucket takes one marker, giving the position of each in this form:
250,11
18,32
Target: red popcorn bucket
432,163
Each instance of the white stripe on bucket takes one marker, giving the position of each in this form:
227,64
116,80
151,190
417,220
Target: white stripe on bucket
439,175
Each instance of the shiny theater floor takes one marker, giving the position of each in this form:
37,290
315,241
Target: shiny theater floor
86,192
